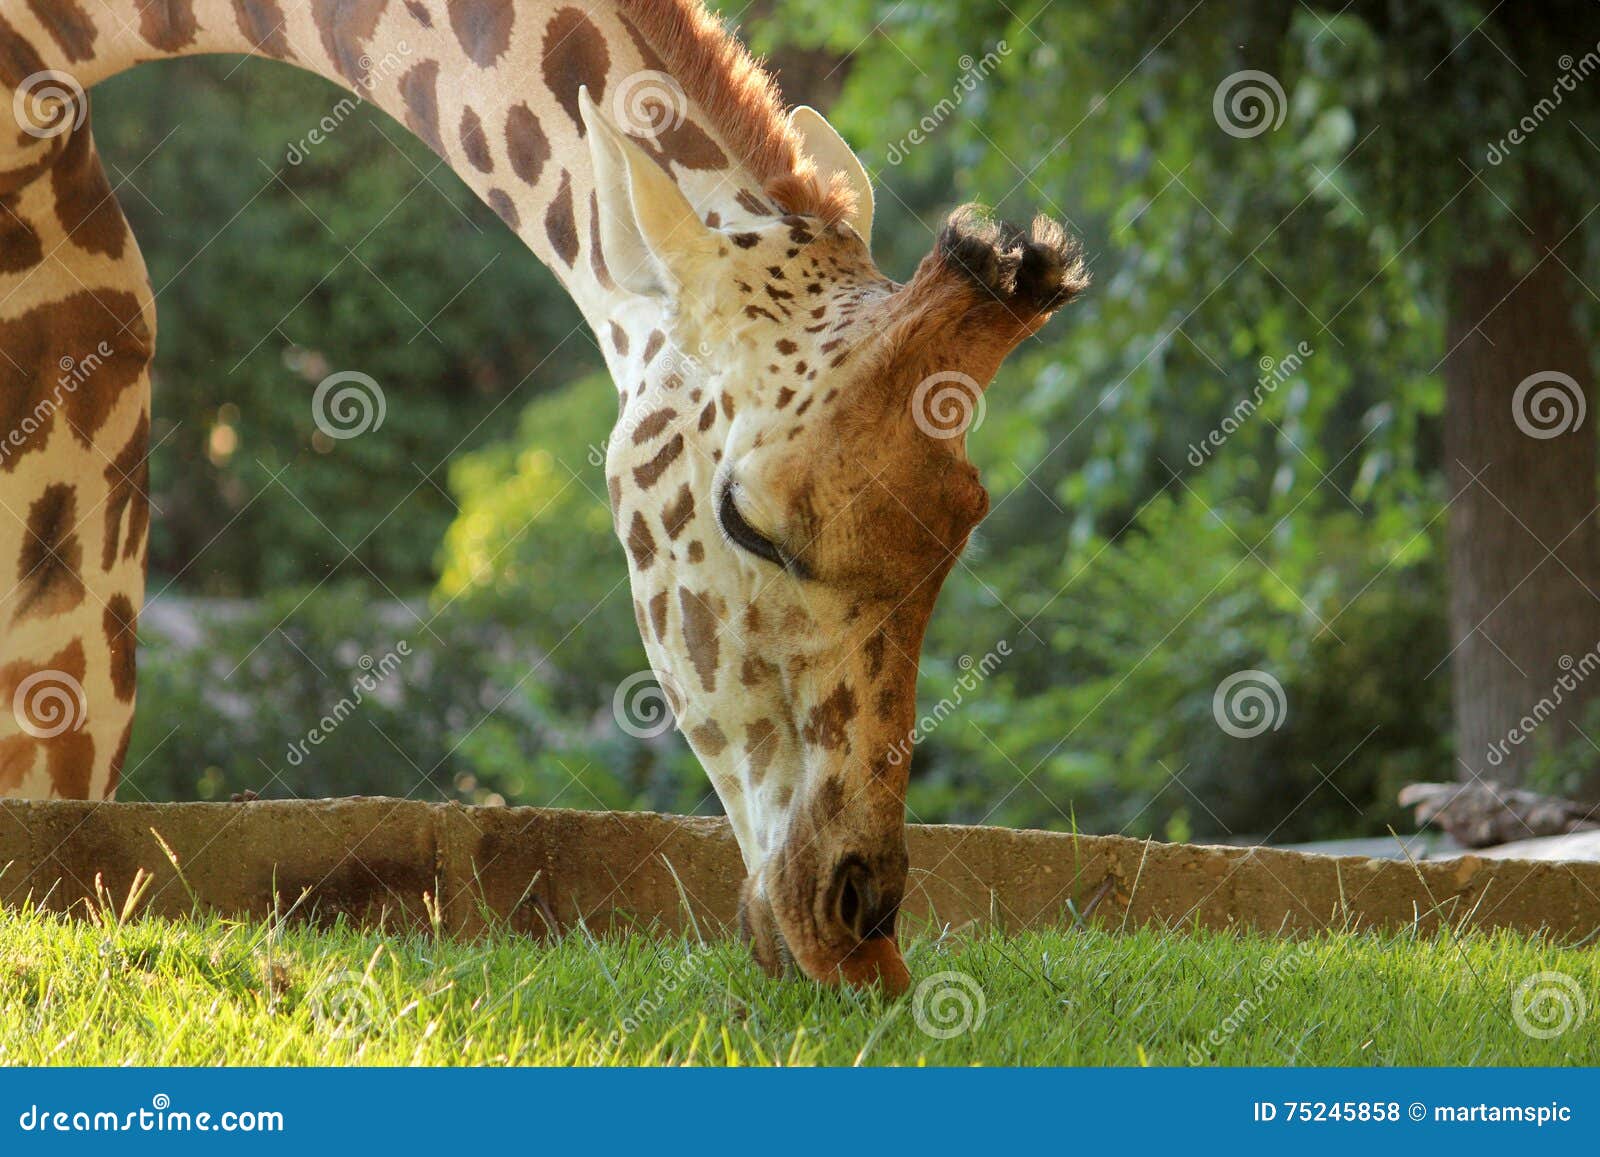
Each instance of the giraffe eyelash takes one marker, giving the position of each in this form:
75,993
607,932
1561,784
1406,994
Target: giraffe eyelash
739,532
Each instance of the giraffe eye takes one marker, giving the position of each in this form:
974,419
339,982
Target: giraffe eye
748,538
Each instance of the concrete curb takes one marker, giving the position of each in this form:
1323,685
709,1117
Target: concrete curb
403,864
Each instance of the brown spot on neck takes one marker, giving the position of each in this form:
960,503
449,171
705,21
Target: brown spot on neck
168,24
49,570
128,476
120,621
84,201
483,27
575,55
19,59
72,332
505,208
68,754
474,143
68,25
641,543
261,21
419,88
526,144
345,27
19,244
688,145
559,224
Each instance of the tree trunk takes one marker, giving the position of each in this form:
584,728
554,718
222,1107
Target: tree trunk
1524,618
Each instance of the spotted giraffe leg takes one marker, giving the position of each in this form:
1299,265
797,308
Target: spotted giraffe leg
77,332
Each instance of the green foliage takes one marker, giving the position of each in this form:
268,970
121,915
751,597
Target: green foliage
278,261
308,694
532,553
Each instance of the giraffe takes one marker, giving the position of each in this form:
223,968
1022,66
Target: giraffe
788,473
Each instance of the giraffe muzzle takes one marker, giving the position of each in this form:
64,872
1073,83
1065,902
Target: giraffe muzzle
834,926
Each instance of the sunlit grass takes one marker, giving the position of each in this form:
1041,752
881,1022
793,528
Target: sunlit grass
210,991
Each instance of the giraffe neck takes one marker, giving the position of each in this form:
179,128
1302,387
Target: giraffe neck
490,85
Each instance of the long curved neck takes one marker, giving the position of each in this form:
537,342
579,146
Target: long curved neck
490,85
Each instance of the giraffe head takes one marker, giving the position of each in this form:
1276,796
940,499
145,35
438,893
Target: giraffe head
789,478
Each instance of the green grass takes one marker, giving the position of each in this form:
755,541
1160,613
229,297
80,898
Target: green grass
209,991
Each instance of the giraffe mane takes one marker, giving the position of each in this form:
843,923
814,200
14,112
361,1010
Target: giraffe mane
742,102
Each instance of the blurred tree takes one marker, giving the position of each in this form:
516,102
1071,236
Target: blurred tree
280,256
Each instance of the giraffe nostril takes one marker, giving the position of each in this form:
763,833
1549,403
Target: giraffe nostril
850,905
856,897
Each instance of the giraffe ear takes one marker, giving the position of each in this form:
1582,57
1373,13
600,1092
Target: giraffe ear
653,240
832,156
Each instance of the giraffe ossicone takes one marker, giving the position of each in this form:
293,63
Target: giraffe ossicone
785,475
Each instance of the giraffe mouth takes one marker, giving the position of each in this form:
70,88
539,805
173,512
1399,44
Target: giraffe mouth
871,961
